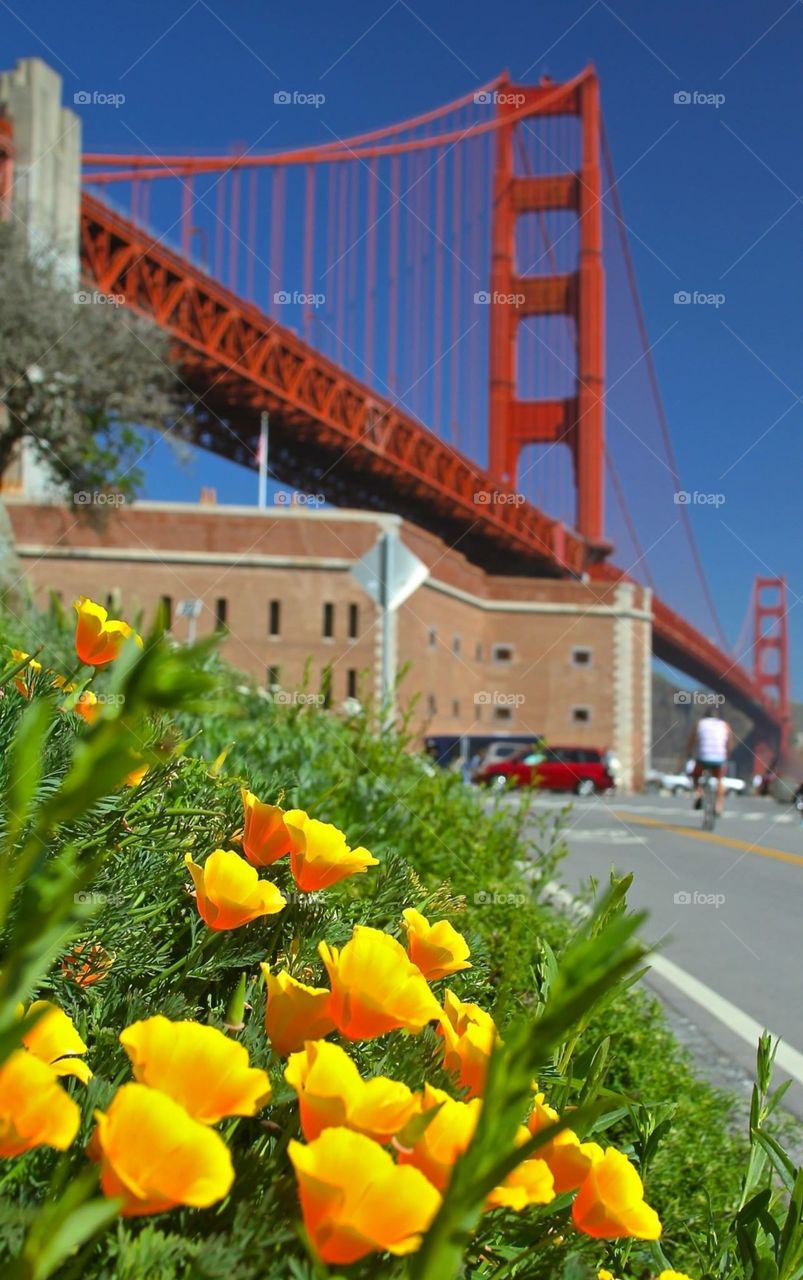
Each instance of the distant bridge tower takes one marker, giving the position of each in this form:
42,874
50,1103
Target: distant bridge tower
576,421
771,649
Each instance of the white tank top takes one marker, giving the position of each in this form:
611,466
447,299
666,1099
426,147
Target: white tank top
712,740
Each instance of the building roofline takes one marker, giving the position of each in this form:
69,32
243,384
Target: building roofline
300,511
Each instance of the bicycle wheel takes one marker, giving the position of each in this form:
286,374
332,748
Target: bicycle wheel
709,803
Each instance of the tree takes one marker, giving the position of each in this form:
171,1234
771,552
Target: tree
77,375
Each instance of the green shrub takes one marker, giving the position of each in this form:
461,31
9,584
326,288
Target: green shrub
94,861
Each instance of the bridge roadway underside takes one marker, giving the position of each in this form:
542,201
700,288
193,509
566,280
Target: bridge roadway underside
301,455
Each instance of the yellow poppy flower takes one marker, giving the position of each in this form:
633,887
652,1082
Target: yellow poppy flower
319,854
376,987
610,1203
437,949
265,837
229,892
98,638
672,1275
155,1156
469,1035
198,1066
54,1040
356,1201
134,778
294,1012
34,1109
332,1093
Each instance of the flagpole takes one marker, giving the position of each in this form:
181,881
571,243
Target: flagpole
262,459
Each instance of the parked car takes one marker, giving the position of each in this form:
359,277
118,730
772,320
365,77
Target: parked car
498,753
451,750
578,769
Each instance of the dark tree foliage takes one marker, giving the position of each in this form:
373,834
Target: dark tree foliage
78,374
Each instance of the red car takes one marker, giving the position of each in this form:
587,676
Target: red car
578,769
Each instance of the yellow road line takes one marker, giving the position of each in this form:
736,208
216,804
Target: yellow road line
692,833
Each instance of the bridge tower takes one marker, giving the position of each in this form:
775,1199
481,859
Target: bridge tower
771,649
576,421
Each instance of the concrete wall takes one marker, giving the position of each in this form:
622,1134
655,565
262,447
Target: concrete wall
47,164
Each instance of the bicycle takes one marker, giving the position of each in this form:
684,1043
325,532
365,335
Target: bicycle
708,781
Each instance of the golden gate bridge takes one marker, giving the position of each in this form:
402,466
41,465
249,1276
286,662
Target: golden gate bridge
442,319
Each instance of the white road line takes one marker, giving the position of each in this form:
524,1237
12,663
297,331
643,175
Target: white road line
732,1017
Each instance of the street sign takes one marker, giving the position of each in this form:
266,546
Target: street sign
189,608
389,573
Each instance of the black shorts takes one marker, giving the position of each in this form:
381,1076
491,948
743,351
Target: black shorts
716,769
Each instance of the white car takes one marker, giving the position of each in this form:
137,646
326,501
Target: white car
678,783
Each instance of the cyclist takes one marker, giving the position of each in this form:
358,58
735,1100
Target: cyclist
710,744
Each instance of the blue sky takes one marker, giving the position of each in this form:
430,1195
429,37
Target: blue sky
711,193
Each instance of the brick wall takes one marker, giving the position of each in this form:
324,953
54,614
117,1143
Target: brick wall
503,654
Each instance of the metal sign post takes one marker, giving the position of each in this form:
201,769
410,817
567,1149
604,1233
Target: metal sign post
191,610
262,461
389,573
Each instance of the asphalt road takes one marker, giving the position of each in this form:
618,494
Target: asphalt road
725,912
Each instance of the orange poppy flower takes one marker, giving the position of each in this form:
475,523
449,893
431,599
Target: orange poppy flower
229,892
87,706
86,964
445,1138
265,837
23,678
356,1201
568,1157
155,1156
34,1109
319,854
531,1182
98,638
469,1035
294,1012
437,949
376,987
198,1066
134,778
332,1093
610,1203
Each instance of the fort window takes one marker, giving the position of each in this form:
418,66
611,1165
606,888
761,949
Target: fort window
502,654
